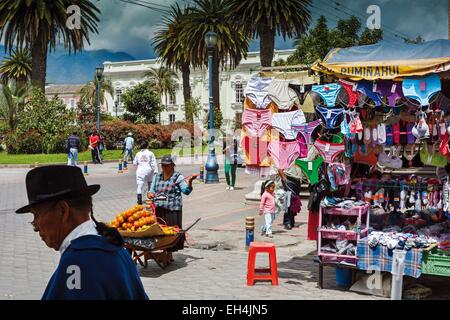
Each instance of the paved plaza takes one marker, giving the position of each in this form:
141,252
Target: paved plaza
214,263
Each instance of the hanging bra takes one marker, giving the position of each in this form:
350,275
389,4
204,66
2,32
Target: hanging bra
355,124
444,148
434,159
392,160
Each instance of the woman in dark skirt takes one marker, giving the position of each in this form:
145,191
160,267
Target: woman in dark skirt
170,208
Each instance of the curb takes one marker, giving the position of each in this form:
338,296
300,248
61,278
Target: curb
31,165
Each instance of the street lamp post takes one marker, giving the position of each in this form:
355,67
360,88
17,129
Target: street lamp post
99,75
117,104
211,165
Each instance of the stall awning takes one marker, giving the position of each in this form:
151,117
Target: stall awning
387,60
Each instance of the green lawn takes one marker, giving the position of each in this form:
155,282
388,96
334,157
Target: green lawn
6,158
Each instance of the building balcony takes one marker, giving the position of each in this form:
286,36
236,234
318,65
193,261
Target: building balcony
237,106
172,107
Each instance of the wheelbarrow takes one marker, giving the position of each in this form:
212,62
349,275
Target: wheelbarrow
156,248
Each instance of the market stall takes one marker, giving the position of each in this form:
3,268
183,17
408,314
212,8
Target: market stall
376,154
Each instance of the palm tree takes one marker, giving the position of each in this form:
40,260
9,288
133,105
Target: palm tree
232,45
169,45
265,19
12,101
89,91
40,24
163,81
16,67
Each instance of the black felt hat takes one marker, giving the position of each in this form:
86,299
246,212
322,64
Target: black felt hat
55,182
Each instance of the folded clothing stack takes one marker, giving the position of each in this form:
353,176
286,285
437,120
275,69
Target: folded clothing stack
402,241
344,203
341,247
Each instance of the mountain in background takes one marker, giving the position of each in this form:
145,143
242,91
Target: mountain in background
79,68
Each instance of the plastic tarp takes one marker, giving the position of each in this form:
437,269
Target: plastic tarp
387,60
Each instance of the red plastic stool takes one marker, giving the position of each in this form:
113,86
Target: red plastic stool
267,274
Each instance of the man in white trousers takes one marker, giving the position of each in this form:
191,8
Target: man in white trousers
147,167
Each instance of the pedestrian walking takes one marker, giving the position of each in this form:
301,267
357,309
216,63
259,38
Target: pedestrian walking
147,168
128,147
230,151
94,265
94,146
73,145
267,207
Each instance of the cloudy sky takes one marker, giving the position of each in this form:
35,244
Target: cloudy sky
129,28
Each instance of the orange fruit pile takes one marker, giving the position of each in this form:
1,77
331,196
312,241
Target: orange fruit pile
170,230
134,219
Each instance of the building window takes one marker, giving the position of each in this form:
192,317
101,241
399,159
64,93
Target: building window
172,99
72,103
171,118
239,89
119,99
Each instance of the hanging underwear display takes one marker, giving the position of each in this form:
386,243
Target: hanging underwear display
256,91
284,153
364,156
366,88
301,90
391,90
350,88
284,121
310,168
307,129
328,93
280,93
302,145
432,158
328,150
331,117
423,89
255,150
256,122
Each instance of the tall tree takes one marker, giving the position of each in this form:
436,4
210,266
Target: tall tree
172,48
12,101
232,45
89,91
320,40
265,19
143,101
163,82
16,67
40,24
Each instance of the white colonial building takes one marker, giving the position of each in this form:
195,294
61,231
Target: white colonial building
126,74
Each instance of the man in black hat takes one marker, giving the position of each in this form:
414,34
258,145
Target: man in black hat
94,264
171,185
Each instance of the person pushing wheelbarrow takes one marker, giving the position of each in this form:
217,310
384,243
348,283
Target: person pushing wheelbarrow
166,191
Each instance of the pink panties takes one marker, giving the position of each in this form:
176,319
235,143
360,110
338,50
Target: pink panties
284,153
256,122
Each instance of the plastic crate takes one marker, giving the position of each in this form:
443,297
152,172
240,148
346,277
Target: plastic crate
435,264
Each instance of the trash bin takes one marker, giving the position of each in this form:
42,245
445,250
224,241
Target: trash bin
343,277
